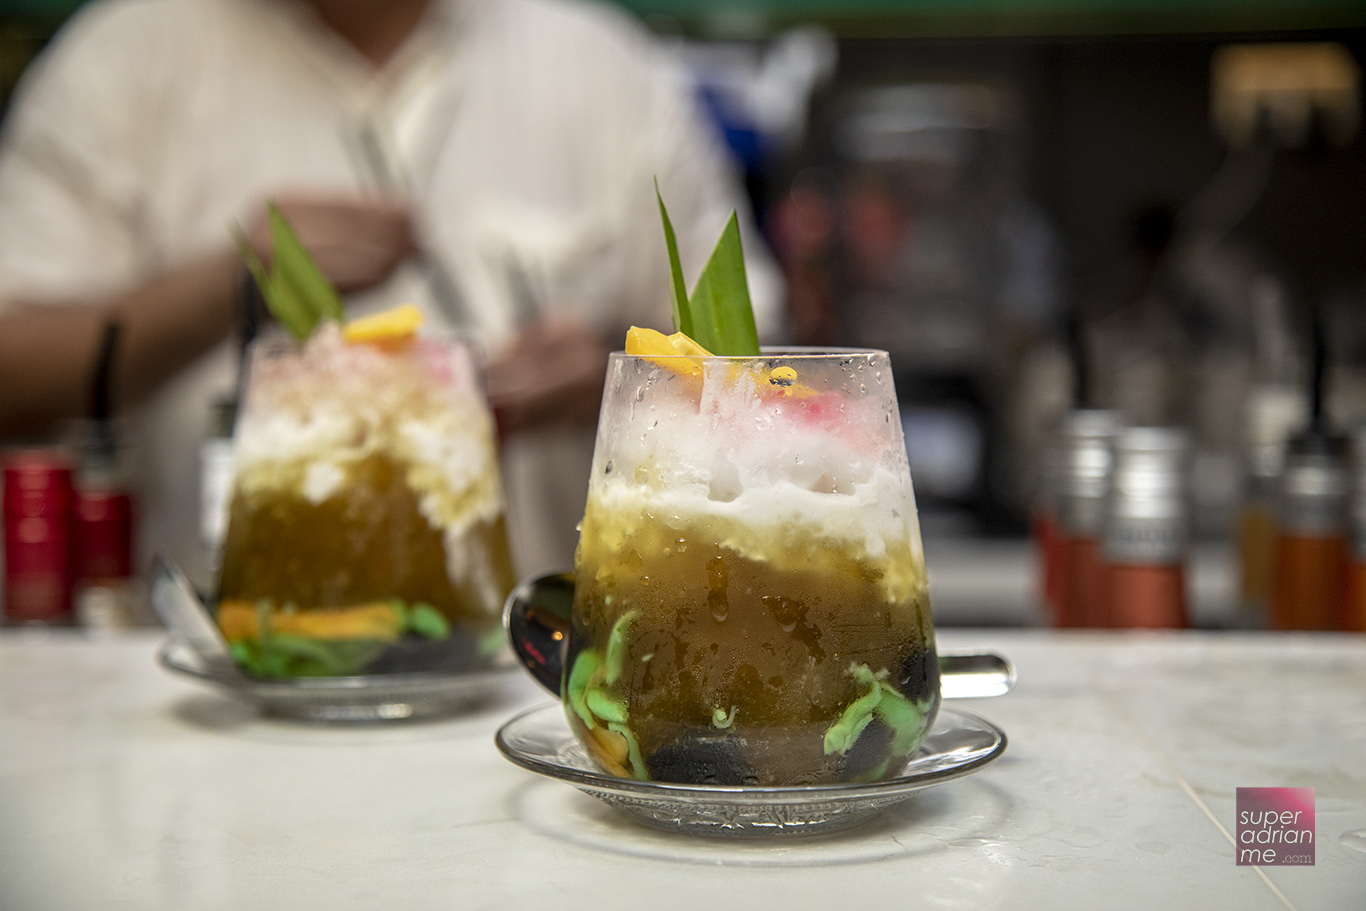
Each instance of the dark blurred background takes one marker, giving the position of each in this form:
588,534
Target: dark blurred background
1127,203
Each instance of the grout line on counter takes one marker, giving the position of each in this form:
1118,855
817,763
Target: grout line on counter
1190,792
1167,762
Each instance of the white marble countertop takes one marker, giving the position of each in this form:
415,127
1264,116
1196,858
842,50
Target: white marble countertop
123,787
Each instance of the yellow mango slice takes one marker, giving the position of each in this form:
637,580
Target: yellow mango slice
392,325
238,620
664,350
610,749
680,355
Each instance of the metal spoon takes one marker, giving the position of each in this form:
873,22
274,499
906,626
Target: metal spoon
537,620
187,617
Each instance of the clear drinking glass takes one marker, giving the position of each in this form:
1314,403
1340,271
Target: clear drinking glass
751,604
366,528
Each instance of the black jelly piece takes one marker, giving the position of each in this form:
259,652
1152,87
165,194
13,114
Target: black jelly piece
871,750
919,675
700,759
418,655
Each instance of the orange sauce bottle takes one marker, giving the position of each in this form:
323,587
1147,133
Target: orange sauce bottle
1309,565
1354,601
1084,485
1147,529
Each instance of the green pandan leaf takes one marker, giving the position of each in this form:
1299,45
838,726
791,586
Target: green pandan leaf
586,665
841,735
427,621
283,304
722,316
603,706
306,657
905,719
295,269
718,315
285,655
295,289
616,647
682,316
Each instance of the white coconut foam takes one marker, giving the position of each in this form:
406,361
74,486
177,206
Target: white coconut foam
314,414
768,467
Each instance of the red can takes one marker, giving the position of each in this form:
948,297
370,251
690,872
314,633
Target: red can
39,571
104,535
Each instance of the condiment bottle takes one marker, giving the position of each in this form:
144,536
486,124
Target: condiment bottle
1045,531
216,473
38,497
107,594
1085,480
1309,561
1147,529
1354,602
1270,416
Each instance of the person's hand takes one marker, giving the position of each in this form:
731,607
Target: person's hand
551,375
356,242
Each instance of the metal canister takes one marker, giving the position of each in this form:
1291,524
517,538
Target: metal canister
38,505
1147,528
1084,482
1312,510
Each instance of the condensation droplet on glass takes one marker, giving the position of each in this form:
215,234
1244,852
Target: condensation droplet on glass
681,545
607,469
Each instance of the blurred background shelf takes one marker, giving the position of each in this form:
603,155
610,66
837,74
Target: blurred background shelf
956,180
907,18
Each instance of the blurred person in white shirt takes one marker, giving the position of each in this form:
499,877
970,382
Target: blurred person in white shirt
491,160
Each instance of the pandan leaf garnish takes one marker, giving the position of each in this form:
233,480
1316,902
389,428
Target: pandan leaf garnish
295,289
288,655
616,647
842,735
604,707
585,691
682,315
576,687
428,622
718,315
904,717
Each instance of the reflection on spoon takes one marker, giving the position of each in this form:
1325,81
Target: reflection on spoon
187,617
538,612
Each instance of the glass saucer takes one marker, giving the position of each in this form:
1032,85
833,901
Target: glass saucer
361,698
958,744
